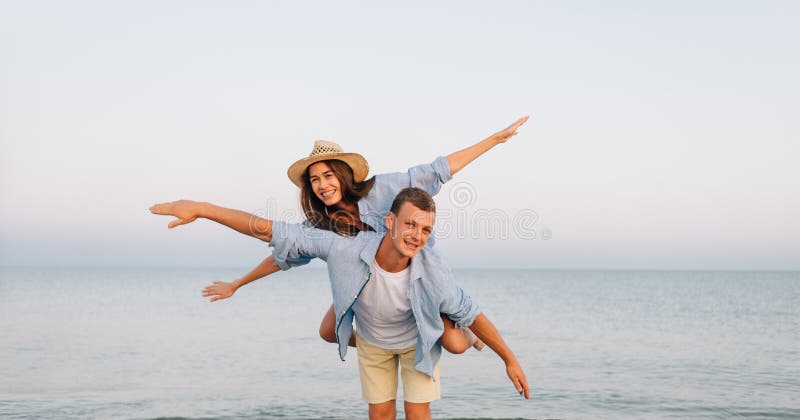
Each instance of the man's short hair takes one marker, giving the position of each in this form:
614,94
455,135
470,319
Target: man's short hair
416,196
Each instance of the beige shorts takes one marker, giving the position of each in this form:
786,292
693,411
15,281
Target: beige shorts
378,371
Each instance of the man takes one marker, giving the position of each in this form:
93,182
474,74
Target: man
377,279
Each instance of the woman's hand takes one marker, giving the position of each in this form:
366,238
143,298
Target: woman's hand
186,211
219,290
458,160
510,131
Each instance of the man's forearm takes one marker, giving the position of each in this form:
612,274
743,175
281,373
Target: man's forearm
240,221
485,330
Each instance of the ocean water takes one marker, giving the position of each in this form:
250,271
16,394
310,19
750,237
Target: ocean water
143,344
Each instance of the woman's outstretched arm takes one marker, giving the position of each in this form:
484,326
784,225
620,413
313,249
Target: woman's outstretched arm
188,211
223,290
458,160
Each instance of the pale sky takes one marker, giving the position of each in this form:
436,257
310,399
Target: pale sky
663,135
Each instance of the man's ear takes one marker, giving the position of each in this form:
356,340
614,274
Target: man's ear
389,221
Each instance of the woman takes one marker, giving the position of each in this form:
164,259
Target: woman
335,196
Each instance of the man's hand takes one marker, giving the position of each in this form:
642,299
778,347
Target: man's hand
517,376
486,331
510,131
186,211
219,290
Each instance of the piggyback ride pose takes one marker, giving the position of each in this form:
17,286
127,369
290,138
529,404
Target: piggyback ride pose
336,196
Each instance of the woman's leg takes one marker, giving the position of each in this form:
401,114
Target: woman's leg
455,340
458,340
327,328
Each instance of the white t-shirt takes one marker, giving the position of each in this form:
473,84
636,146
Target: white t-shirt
383,310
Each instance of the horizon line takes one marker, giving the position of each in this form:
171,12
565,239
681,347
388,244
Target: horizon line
483,268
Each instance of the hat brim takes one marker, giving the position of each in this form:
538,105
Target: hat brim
355,161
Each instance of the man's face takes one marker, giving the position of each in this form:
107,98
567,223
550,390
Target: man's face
409,229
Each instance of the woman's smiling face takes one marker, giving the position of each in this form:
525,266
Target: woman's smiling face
324,183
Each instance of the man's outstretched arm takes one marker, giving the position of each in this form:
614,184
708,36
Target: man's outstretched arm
188,211
486,331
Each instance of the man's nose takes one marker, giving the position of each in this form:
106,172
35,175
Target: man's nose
417,233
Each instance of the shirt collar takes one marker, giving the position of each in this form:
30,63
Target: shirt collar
370,247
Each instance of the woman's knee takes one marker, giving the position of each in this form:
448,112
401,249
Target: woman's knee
327,329
454,344
327,334
453,338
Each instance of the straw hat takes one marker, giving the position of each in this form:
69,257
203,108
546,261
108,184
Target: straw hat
325,150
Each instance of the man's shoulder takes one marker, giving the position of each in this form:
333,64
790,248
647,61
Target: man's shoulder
429,265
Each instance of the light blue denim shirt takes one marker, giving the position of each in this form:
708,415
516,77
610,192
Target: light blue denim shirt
432,289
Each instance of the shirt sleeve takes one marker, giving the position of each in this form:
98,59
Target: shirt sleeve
301,259
295,244
459,307
297,261
453,300
429,177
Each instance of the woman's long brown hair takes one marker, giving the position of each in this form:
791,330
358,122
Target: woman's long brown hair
332,218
